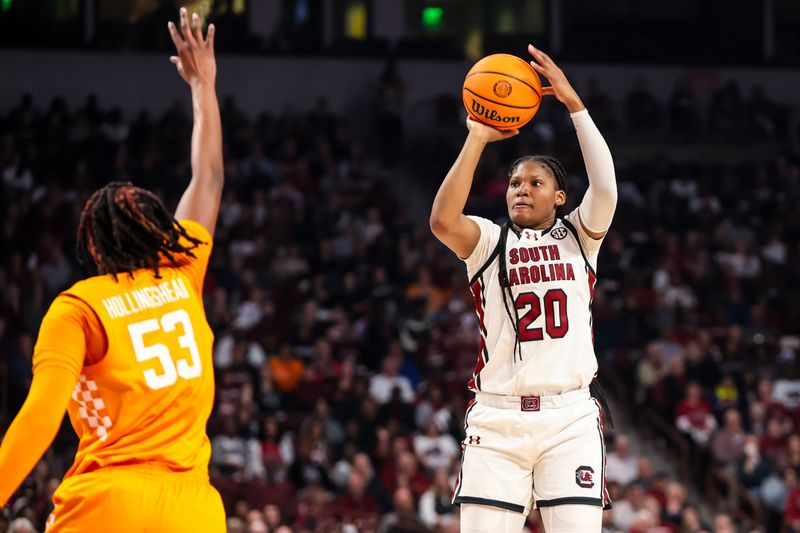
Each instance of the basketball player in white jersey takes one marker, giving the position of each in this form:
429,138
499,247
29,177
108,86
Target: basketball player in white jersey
534,431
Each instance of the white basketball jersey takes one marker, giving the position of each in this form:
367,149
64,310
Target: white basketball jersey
551,274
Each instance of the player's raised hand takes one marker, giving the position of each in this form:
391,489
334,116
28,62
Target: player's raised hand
195,60
559,84
487,134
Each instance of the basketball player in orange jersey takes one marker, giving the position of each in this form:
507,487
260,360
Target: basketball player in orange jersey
534,430
127,352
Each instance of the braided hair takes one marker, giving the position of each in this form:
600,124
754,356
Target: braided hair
505,289
124,228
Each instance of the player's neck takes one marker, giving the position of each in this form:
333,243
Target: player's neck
544,225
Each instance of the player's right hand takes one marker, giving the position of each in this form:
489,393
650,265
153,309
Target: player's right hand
487,134
195,60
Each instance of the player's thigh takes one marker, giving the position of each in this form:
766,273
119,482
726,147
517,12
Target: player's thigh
486,519
573,468
572,518
495,467
191,507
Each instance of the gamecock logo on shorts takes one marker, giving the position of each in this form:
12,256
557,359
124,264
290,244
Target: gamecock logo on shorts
584,477
558,233
502,88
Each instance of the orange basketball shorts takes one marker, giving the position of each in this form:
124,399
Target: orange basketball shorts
136,499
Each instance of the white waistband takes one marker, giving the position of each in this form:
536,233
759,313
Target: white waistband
514,402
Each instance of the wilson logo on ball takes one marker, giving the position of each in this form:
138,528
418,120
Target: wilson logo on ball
490,114
502,88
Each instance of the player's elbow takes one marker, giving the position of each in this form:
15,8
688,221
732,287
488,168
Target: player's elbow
439,225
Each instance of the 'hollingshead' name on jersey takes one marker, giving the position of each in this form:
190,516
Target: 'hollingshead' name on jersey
552,275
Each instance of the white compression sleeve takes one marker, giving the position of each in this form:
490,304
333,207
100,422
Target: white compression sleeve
600,200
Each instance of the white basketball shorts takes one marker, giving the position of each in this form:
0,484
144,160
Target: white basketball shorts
533,451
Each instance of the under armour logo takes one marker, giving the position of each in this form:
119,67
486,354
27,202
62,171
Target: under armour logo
474,439
529,235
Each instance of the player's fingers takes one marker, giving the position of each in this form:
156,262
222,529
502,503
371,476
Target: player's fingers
173,32
185,29
540,56
210,35
538,68
197,28
175,60
548,91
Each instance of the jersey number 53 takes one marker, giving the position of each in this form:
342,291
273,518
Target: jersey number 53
186,368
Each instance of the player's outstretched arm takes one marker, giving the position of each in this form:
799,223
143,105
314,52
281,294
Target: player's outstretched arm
197,65
600,201
34,427
57,361
448,222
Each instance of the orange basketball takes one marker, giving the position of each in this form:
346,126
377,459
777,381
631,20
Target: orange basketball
502,91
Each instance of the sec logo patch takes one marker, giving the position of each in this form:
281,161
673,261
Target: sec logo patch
559,233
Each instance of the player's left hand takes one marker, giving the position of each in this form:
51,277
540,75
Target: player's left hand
559,84
195,60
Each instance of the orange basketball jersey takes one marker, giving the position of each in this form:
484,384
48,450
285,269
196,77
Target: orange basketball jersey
148,397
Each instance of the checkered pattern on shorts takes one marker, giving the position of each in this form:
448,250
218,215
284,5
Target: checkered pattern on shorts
92,408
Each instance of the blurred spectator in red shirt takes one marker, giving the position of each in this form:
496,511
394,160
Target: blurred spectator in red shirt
693,416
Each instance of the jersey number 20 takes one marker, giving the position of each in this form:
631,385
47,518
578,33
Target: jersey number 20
556,321
186,369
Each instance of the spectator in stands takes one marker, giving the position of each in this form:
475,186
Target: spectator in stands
774,444
728,442
753,467
674,505
626,509
691,521
435,509
307,470
793,453
694,416
229,451
374,488
792,513
786,389
723,523
21,525
404,517
286,369
356,500
435,450
621,465
726,394
381,385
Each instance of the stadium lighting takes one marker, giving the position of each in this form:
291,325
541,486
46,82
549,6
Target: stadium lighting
432,17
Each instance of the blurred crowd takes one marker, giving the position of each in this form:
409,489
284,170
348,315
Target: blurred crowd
345,333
